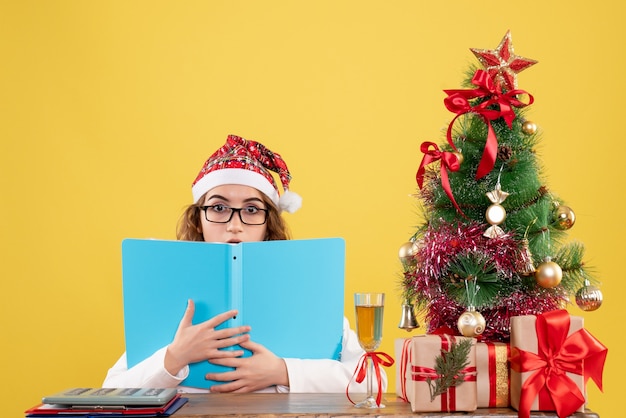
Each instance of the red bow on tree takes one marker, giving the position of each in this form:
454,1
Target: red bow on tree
449,161
458,102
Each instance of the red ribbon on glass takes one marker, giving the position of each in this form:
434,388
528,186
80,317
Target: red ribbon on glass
449,161
580,353
424,374
378,359
458,102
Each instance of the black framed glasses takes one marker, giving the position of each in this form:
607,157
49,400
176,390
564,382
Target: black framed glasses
222,214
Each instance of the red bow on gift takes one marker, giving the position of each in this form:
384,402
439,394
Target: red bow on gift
580,353
378,359
449,161
458,102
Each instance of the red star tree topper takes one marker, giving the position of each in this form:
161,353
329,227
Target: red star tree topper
502,64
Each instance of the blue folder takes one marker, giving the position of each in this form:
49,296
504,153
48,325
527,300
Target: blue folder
290,292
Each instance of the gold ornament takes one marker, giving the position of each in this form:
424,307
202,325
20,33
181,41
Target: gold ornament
588,297
529,127
495,213
459,156
527,266
471,323
407,252
548,274
563,217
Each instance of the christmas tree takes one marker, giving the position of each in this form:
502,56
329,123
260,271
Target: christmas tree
493,242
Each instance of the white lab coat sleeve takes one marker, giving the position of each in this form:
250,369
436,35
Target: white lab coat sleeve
331,376
150,373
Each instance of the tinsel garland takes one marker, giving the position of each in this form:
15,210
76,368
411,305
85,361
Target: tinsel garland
443,312
440,245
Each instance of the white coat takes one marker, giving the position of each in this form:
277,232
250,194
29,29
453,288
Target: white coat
305,375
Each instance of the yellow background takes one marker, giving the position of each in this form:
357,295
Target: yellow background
108,109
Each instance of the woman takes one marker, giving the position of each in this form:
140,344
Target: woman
236,200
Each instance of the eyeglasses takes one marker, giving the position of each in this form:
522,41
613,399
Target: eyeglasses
221,214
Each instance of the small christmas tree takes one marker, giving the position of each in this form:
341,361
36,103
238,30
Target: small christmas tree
493,242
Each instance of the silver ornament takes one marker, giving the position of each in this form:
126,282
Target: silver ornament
588,297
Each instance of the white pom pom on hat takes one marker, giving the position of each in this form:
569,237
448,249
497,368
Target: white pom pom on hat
290,201
240,161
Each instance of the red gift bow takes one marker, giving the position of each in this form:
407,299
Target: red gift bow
378,359
580,353
449,161
423,374
458,102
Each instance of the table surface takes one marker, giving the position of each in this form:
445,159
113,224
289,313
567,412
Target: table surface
319,405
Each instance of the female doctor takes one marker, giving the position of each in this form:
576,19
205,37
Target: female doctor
236,199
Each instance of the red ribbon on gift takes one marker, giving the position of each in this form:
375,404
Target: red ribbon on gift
378,359
405,360
444,330
424,374
580,353
449,161
458,102
492,372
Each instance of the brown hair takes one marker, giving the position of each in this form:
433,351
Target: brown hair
189,226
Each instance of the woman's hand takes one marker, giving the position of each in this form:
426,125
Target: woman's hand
194,343
259,371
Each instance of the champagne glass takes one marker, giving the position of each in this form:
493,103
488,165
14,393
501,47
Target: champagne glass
369,328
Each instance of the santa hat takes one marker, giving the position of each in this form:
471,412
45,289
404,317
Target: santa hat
248,163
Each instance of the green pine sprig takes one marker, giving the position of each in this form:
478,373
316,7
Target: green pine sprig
472,280
449,366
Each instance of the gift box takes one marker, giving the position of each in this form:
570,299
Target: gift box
552,358
492,374
402,351
424,377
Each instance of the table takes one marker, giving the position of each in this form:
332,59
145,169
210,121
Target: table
270,405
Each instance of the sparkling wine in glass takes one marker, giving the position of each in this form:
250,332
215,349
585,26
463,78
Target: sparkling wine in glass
369,329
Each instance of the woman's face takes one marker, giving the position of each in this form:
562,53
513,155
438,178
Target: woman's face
233,231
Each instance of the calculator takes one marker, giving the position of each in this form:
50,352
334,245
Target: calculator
112,397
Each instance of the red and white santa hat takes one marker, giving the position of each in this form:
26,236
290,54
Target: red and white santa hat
248,163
